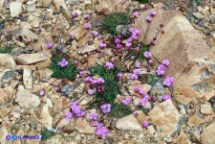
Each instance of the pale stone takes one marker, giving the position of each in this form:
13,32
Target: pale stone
207,136
183,99
198,15
206,108
7,61
1,4
87,48
195,120
3,95
165,117
44,3
182,139
27,79
84,127
31,58
59,3
15,9
129,122
31,6
3,134
79,31
45,115
26,35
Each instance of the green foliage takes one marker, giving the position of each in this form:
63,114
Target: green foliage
151,79
7,49
138,54
198,2
111,87
69,72
111,21
143,1
46,134
120,110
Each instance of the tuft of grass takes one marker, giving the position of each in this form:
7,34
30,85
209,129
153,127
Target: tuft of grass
69,72
139,54
46,134
6,50
111,87
120,110
143,1
111,21
151,79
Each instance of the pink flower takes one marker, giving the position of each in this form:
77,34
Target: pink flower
136,14
83,73
90,92
161,69
137,64
126,100
149,19
136,71
145,124
152,13
87,26
50,45
116,40
71,34
95,33
108,65
168,81
106,108
93,116
102,45
150,61
128,44
144,100
102,131
68,116
133,76
88,79
165,62
86,16
75,108
120,76
97,124
166,97
63,63
74,14
119,46
100,81
42,92
147,54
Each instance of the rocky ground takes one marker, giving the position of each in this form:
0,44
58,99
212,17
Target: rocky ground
164,92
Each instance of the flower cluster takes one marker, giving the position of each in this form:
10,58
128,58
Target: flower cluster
50,45
144,100
108,65
106,108
63,63
87,26
161,69
168,81
98,83
126,101
166,97
152,13
76,110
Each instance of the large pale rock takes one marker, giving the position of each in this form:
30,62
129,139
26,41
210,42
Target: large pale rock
84,127
129,122
31,58
27,79
26,35
7,61
193,68
207,136
59,3
45,115
165,116
108,6
15,9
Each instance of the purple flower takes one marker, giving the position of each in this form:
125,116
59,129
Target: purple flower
86,16
165,62
168,81
120,76
102,45
74,14
147,54
93,116
133,76
49,45
100,81
63,63
126,100
108,65
68,116
145,124
90,92
116,40
137,64
87,26
83,73
95,33
118,46
136,71
136,14
144,100
97,124
71,34
106,108
102,131
166,97
161,69
128,44
150,61
42,92
152,13
75,108
88,79
149,19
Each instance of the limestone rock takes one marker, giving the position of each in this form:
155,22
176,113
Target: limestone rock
59,3
31,58
26,35
182,139
15,9
7,61
1,4
195,120
84,127
3,134
27,79
3,95
193,67
129,122
44,3
165,116
207,136
206,108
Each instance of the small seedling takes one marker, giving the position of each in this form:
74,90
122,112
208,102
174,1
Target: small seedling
69,72
111,21
47,134
6,50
